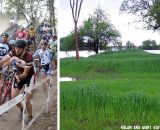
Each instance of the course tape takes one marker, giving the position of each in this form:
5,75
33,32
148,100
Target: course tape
35,117
30,88
8,105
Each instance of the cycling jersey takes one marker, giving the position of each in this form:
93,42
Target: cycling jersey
26,58
20,36
32,33
45,29
53,45
44,56
4,49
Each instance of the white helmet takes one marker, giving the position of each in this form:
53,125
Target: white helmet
12,42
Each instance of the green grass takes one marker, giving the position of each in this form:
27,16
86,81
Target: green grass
112,89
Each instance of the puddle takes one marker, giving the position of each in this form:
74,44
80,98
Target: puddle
63,54
67,79
153,51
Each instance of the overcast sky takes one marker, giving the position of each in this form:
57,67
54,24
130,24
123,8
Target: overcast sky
111,7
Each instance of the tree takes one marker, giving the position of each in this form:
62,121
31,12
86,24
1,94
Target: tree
76,8
1,6
129,45
31,9
67,43
149,45
52,17
147,10
99,28
119,45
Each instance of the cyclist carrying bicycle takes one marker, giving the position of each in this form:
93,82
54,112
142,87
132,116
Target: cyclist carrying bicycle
24,73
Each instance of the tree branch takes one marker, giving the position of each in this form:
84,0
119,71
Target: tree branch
79,9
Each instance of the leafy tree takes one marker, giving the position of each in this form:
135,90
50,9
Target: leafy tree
149,45
67,43
119,45
147,10
129,45
100,30
30,9
1,5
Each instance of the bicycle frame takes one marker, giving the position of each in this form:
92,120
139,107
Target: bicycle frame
36,69
8,88
8,82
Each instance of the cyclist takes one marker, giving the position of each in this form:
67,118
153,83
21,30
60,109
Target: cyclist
53,49
11,43
24,73
20,35
28,42
44,55
4,46
32,33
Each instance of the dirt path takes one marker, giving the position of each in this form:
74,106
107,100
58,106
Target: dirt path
9,121
47,121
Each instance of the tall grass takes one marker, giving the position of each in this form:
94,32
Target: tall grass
110,91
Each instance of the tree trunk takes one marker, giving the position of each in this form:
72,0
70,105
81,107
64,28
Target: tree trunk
53,17
96,48
1,6
96,44
76,41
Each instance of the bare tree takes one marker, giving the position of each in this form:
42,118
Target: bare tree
76,8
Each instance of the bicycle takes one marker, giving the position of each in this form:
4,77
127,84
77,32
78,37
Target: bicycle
7,83
36,66
39,71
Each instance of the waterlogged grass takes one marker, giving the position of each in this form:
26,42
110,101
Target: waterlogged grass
114,89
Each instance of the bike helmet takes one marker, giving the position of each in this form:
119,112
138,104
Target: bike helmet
12,42
20,44
31,27
5,34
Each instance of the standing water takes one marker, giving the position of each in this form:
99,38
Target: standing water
67,79
153,51
65,54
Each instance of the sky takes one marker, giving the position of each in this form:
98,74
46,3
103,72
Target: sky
132,32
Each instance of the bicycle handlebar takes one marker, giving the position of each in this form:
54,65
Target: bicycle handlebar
7,75
14,65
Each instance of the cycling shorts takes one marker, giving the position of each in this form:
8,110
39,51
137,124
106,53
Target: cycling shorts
23,82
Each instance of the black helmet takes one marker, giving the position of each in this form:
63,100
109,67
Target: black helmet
44,37
20,44
5,34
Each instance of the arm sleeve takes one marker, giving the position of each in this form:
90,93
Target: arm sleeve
29,62
10,54
36,54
